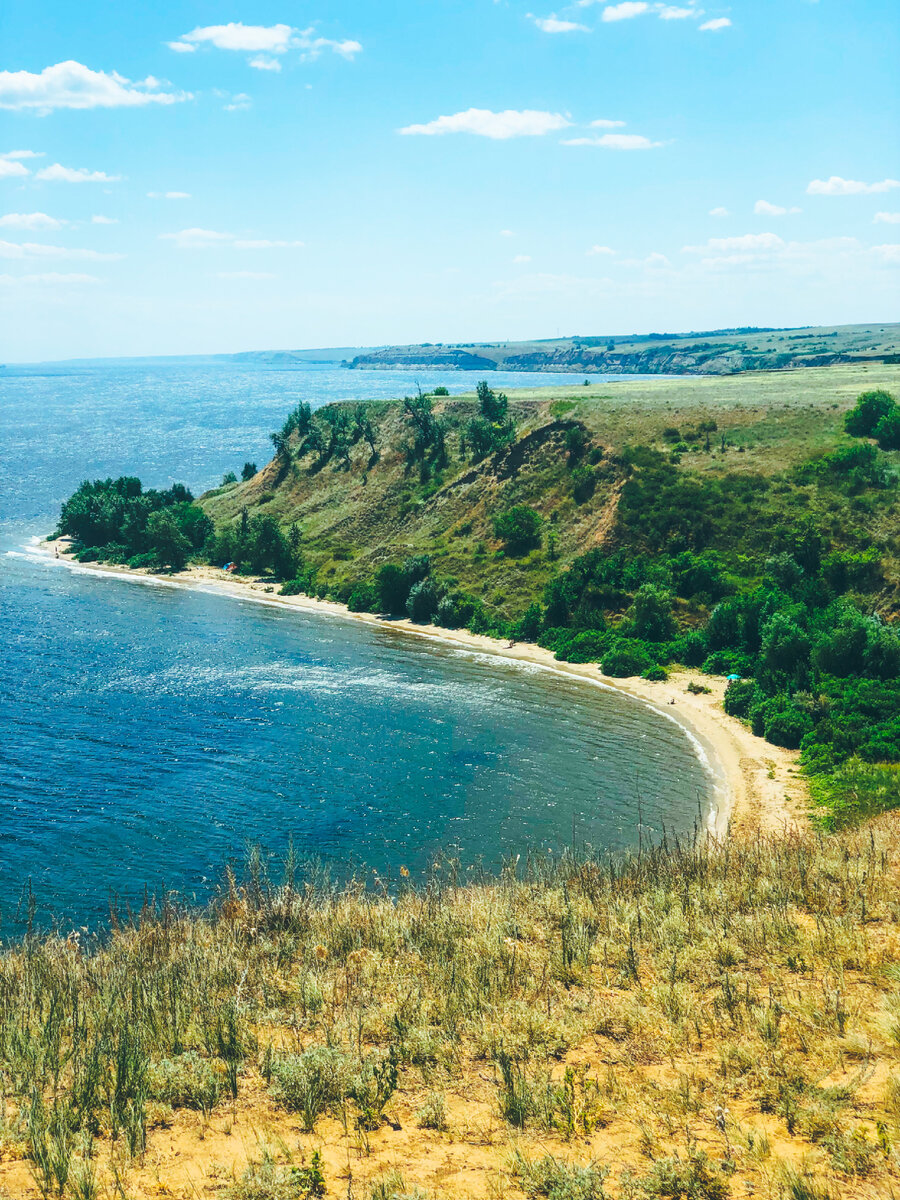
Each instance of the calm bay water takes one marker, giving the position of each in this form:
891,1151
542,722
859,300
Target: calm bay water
148,732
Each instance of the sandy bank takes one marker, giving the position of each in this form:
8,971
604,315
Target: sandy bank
758,786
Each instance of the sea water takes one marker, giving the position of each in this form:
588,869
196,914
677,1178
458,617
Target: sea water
150,733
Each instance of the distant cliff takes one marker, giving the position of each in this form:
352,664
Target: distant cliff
721,352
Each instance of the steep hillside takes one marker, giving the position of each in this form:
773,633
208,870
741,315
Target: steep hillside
355,515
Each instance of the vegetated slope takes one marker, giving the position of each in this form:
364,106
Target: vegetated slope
751,535
719,352
696,1022
355,515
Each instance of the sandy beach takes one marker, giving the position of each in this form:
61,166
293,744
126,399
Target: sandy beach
758,786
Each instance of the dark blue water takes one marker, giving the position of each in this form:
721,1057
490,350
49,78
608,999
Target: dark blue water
149,732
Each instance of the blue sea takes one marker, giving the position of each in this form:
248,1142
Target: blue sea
150,733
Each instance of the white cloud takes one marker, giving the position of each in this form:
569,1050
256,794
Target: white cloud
196,239
715,25
836,186
554,24
36,220
10,169
763,208
39,250
169,195
601,250
614,141
887,218
889,253
238,103
625,11
265,244
522,258
265,64
669,12
60,174
73,85
23,154
507,233
745,243
510,123
52,277
99,219
276,39
264,39
244,275
603,124
719,212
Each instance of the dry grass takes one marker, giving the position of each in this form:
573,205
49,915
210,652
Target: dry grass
693,1022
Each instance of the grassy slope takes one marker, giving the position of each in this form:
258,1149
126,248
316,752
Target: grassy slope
738,1003
353,521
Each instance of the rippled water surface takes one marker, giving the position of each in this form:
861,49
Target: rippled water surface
149,732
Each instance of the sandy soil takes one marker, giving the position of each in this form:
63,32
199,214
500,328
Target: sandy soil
758,786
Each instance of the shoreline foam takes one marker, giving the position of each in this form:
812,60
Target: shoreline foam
750,777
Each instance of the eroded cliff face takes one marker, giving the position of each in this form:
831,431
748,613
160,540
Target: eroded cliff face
667,359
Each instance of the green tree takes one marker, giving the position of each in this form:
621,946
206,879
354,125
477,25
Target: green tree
887,431
651,614
519,528
167,541
248,471
870,408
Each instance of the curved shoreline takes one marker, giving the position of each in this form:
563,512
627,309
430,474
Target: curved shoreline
750,776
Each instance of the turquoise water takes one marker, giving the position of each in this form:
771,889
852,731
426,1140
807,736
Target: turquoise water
149,732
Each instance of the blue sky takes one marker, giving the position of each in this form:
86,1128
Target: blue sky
199,177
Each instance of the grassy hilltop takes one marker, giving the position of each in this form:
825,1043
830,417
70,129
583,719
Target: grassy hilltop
693,1023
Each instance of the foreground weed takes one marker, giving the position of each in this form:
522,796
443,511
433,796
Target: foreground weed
556,1179
267,1180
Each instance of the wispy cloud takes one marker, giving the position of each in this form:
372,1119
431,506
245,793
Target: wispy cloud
73,85
887,218
836,186
244,275
60,174
264,40
889,253
763,208
744,243
169,195
604,250
482,122
32,221
625,11
719,211
604,124
714,26
614,141
39,250
554,24
11,168
100,219
522,258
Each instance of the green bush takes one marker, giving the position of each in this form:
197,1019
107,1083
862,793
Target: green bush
269,1181
626,659
740,696
655,674
314,1082
363,598
187,1081
552,1178
869,410
519,528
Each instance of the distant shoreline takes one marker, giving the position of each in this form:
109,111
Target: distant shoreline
750,777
